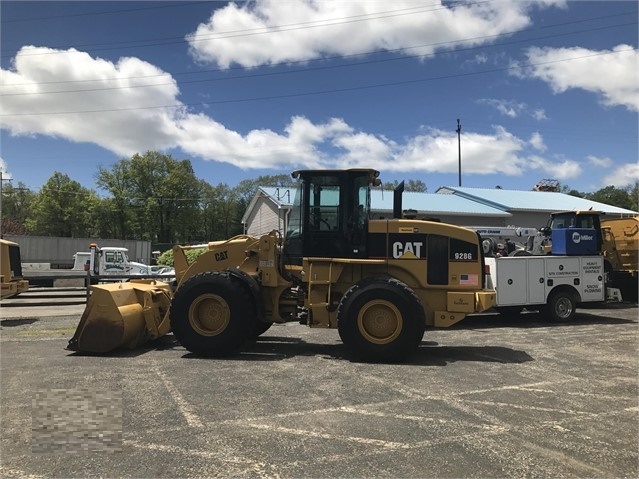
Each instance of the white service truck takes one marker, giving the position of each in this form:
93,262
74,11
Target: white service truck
554,283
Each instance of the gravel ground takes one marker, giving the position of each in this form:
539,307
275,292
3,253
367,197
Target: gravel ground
493,396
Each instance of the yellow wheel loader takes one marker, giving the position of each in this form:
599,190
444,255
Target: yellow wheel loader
621,250
380,282
11,278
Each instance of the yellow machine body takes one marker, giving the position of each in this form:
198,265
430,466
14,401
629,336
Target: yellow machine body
381,282
621,250
11,279
621,242
458,294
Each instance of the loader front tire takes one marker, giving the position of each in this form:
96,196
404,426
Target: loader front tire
259,328
212,314
381,320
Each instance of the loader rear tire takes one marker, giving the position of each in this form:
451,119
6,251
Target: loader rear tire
212,314
381,320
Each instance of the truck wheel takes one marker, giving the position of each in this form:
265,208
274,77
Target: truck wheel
381,320
561,307
212,314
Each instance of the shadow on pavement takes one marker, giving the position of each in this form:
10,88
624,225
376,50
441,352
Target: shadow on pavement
533,319
9,323
428,354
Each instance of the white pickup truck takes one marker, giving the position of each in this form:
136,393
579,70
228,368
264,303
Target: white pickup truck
554,285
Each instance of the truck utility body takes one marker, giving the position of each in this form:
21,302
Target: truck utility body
527,280
553,284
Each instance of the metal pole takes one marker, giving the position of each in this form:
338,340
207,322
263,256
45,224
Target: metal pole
459,147
1,180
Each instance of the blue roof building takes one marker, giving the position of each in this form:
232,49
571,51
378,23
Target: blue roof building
270,207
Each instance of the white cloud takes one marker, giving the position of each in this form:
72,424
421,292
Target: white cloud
37,72
202,136
611,74
481,58
537,142
559,168
437,151
599,162
512,109
539,114
264,32
625,175
129,124
6,175
508,108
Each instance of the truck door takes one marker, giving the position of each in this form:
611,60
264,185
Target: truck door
113,263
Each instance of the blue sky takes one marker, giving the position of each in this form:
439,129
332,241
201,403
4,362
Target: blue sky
543,89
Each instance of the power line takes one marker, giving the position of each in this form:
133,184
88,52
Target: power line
277,28
319,92
293,26
306,70
108,12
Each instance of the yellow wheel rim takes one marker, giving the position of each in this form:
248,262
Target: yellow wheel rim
209,314
380,322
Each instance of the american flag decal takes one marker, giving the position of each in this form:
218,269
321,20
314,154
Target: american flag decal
468,279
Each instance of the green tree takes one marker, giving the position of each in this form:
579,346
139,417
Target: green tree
633,192
105,219
411,185
155,197
219,212
246,189
62,208
229,210
611,195
117,209
570,191
16,207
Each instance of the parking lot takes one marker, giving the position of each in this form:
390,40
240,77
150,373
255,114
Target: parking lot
491,397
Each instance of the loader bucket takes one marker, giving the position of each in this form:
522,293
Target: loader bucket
123,315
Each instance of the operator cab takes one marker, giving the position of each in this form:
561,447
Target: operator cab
330,214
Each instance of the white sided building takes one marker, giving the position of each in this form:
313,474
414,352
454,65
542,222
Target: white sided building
270,207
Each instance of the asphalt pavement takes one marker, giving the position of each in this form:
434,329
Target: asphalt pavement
493,396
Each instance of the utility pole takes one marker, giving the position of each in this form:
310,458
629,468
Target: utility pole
2,180
459,147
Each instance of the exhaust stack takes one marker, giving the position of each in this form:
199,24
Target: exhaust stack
397,200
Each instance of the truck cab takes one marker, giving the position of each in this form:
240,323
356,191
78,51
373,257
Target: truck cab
114,261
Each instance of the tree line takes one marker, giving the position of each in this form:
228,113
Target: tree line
154,197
